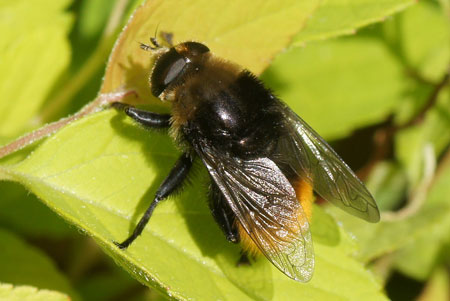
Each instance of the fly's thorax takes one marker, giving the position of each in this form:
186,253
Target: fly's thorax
229,108
205,86
199,89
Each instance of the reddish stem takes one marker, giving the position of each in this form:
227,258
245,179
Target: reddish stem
98,104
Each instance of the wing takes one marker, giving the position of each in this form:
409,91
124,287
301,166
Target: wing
313,159
265,204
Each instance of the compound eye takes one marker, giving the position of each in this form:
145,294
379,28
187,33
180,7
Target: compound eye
174,70
166,70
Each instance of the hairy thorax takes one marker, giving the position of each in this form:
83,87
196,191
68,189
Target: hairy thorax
226,107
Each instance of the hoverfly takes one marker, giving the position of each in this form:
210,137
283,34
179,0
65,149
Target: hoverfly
263,160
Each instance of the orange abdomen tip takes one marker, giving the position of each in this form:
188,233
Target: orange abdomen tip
305,196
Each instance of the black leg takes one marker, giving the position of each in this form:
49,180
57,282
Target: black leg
222,213
146,118
243,260
168,186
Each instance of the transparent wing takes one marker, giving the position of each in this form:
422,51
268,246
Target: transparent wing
265,204
313,159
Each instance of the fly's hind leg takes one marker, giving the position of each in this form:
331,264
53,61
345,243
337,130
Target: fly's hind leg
244,260
226,220
222,213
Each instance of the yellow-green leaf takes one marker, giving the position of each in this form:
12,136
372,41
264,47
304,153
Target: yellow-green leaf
29,293
25,214
34,51
337,17
419,237
23,264
426,46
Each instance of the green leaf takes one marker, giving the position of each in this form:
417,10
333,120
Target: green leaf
388,185
337,17
23,212
324,229
22,264
384,237
418,258
425,46
93,17
339,85
343,84
410,144
423,49
108,284
419,238
104,189
29,293
34,51
440,191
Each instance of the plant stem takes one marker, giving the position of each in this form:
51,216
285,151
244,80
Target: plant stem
51,128
418,195
384,135
430,102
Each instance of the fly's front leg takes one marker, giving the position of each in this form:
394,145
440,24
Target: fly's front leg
146,118
173,181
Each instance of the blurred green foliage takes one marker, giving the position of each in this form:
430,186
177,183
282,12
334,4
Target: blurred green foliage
380,94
